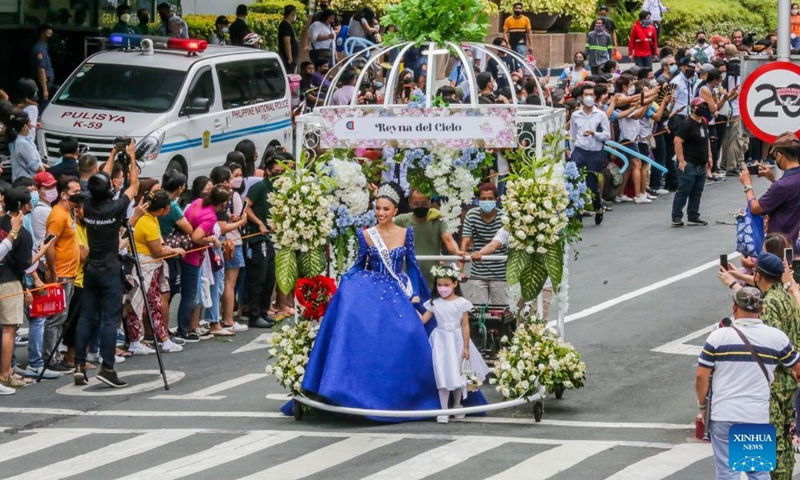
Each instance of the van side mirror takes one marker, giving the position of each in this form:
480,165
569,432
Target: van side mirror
197,106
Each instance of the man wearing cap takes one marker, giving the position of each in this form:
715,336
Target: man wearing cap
219,37
741,389
63,261
693,149
781,201
46,186
782,312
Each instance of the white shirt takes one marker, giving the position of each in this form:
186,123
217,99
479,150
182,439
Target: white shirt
740,391
684,93
656,9
317,29
39,221
597,122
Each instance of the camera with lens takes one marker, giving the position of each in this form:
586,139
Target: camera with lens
734,67
120,144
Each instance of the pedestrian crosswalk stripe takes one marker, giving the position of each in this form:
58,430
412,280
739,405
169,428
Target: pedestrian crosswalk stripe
665,464
222,453
324,458
552,462
35,442
438,459
106,455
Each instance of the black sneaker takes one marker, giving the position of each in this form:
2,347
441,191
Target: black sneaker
262,323
61,368
598,218
79,377
110,378
189,337
677,223
698,222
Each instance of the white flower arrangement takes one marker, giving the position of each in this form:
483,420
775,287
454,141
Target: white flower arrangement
301,212
536,355
291,347
536,210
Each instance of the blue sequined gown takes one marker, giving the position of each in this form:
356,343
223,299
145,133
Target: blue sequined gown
372,350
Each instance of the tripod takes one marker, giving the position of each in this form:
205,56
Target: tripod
143,287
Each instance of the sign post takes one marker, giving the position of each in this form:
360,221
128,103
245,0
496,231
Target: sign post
770,100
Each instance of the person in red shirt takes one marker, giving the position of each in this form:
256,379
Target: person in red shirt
643,43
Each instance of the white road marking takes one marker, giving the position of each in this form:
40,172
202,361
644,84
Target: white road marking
75,390
35,442
665,464
438,459
259,343
234,414
281,397
220,454
679,347
324,458
106,455
552,462
637,293
208,393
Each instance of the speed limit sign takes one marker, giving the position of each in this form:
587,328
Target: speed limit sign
770,101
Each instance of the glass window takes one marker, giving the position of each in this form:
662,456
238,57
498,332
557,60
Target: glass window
122,87
61,14
203,88
250,82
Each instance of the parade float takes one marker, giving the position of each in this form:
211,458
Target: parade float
323,199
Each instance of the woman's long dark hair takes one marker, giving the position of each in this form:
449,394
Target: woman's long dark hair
435,291
248,149
198,185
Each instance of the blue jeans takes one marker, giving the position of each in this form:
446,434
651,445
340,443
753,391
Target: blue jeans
719,443
190,274
35,342
212,314
691,182
521,49
102,298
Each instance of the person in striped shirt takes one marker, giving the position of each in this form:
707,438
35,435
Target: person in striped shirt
487,283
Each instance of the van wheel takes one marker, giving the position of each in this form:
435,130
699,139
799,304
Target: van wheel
176,164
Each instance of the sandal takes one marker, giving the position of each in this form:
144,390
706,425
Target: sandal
13,382
222,333
124,354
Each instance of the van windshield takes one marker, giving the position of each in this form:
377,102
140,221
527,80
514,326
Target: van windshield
127,88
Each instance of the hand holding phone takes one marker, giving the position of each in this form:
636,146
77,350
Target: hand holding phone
788,255
244,207
49,238
723,261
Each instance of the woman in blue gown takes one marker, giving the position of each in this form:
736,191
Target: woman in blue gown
372,350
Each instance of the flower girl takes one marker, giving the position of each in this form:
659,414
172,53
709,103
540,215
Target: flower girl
450,341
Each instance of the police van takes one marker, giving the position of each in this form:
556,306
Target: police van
186,103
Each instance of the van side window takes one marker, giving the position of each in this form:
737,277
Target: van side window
203,88
250,82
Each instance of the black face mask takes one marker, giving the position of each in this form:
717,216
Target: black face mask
702,111
688,74
78,198
701,41
421,212
144,20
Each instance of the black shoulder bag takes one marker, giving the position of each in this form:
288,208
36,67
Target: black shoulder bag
753,353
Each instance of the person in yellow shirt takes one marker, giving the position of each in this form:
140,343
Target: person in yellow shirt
517,32
150,248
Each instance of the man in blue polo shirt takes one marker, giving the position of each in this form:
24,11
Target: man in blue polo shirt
741,385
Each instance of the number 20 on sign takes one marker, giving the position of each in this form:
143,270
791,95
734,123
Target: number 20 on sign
770,102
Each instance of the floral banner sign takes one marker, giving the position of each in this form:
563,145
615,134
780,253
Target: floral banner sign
379,127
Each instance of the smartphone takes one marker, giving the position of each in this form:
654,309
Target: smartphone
244,207
723,261
49,238
788,254
753,169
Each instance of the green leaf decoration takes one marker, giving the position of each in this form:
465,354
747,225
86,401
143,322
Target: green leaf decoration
516,264
554,260
438,21
533,277
286,269
312,263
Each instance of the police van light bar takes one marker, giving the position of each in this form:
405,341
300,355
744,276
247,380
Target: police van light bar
163,43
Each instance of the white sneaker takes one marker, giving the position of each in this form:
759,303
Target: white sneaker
93,357
175,349
651,197
237,327
442,419
642,199
623,198
118,359
143,350
10,391
662,191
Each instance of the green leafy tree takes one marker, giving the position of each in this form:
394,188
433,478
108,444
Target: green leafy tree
438,21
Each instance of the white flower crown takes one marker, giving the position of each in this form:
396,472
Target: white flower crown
387,191
444,272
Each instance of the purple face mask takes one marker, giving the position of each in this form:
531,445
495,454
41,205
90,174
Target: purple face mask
444,292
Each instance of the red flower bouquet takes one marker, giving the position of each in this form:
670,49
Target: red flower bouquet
314,295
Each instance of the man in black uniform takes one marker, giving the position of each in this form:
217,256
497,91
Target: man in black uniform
102,285
693,149
239,28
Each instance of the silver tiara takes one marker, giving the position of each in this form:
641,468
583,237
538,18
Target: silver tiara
387,191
